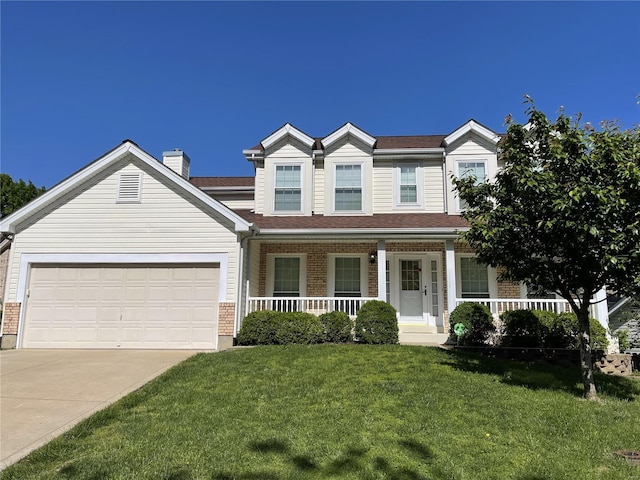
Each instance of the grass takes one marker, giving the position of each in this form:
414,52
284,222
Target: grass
352,412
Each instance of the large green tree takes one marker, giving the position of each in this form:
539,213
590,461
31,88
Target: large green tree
14,195
562,214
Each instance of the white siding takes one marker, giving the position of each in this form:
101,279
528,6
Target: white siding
347,152
92,222
470,147
319,188
287,153
383,186
260,193
434,186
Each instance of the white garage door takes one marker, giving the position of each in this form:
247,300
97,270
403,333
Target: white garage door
122,306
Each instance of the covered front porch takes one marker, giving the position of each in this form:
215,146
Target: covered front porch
420,278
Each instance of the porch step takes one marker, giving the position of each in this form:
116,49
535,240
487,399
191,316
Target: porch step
421,335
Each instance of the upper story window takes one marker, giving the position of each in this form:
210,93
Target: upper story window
288,188
471,169
348,187
407,185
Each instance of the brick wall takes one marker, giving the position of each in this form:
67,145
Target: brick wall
10,318
4,265
226,318
317,255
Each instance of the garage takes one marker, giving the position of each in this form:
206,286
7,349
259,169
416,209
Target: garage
122,306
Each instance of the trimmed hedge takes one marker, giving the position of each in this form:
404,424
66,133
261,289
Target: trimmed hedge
337,327
268,327
376,323
259,328
477,320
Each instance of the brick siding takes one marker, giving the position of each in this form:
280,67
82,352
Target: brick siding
226,318
10,318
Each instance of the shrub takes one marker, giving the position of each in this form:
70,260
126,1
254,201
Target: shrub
299,327
259,328
376,323
337,327
549,330
478,321
523,328
623,340
267,327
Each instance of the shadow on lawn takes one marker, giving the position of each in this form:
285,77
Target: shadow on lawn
350,461
540,376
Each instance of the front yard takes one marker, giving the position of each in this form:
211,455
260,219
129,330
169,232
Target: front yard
352,411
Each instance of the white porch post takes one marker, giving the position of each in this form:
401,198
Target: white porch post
450,265
382,270
601,308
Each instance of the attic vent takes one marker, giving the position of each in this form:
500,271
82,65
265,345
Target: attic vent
129,187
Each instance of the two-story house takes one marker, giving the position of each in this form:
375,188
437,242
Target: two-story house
130,252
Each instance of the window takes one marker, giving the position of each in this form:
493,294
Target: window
348,193
408,184
288,190
347,277
286,277
475,169
474,278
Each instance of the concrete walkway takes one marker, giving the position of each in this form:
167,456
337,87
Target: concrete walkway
44,393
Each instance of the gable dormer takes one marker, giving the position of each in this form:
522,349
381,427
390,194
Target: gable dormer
471,149
348,171
284,172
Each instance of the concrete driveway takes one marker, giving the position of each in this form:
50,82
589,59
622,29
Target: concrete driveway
43,393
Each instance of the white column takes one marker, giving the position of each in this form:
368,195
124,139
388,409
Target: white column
382,271
450,265
601,310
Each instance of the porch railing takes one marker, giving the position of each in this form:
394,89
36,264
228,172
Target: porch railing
500,305
315,305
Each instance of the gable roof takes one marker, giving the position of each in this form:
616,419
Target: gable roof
9,223
222,182
348,129
287,129
475,127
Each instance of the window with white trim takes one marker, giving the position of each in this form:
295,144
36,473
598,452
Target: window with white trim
347,277
288,189
474,278
471,169
408,184
286,277
348,187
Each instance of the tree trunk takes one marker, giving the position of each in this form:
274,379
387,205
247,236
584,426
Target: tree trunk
586,360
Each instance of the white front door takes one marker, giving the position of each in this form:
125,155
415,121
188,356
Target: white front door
419,288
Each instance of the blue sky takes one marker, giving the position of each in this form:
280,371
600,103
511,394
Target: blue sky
214,78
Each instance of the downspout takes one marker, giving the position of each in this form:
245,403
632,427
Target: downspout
445,188
5,244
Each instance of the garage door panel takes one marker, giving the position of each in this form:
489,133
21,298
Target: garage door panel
156,306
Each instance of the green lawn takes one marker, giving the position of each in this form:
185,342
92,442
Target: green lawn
351,411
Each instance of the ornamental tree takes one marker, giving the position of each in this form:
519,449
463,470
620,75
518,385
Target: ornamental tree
15,194
562,214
